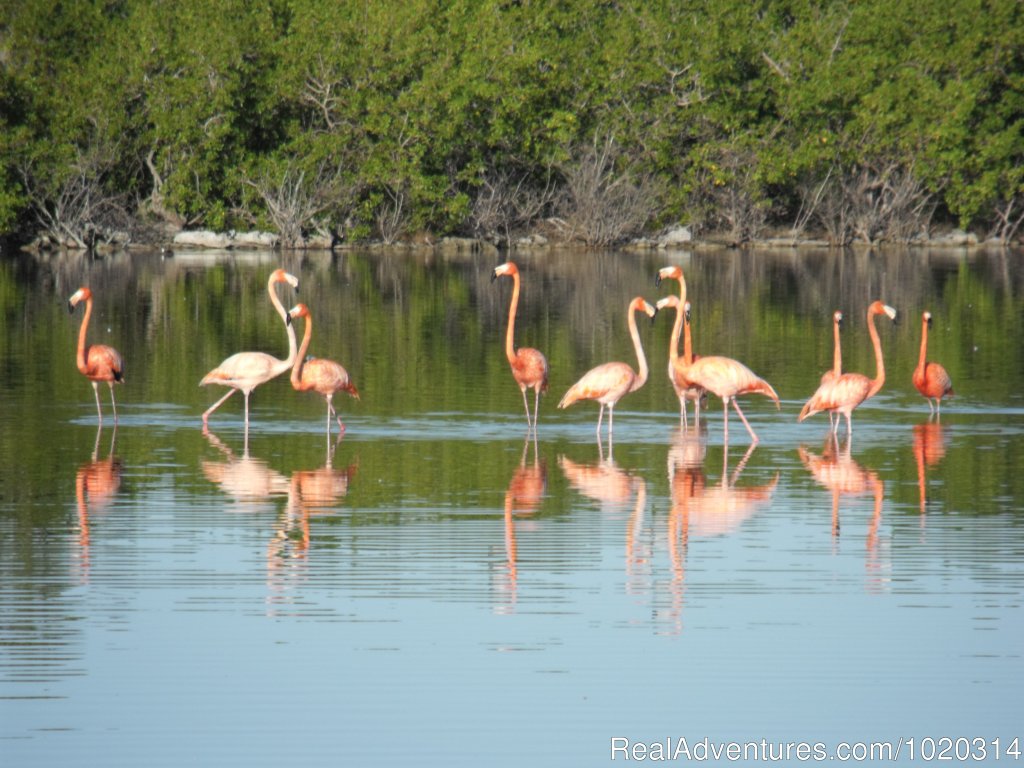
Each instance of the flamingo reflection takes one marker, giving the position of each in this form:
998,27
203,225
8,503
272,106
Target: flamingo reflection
96,483
929,450
614,489
524,495
700,511
836,470
311,492
243,478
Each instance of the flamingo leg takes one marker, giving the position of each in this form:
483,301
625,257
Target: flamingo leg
331,410
696,410
682,412
526,406
113,403
600,416
536,407
96,392
218,404
736,405
725,411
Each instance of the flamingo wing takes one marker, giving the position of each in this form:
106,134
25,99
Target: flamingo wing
103,363
935,381
326,377
243,368
530,369
726,377
606,383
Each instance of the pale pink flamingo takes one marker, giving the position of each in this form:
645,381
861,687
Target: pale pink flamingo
245,371
728,379
609,382
322,376
684,388
849,390
97,362
529,366
931,379
829,377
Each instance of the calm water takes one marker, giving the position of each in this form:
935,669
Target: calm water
435,589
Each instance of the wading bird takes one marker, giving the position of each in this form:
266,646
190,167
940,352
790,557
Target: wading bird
529,366
684,388
609,382
931,379
829,377
244,371
97,362
322,376
849,390
728,379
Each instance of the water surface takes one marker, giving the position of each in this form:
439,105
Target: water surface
438,589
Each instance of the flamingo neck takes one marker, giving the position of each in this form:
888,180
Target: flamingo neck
300,356
641,359
687,346
80,358
673,345
837,355
510,349
879,380
278,306
924,348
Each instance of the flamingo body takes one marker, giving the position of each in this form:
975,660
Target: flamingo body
610,382
728,379
97,362
847,391
244,371
931,379
684,388
529,366
325,377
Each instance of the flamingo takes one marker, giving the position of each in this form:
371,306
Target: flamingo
323,376
833,373
684,388
727,378
931,379
848,390
247,370
529,366
609,382
97,362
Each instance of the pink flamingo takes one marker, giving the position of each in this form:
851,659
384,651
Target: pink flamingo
849,390
609,382
684,388
97,362
323,376
931,379
529,366
247,370
727,378
829,377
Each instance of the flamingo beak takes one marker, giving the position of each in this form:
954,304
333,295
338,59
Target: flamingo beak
494,275
657,280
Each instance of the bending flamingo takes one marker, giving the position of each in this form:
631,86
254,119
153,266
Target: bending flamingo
829,377
931,379
848,390
97,362
728,379
323,376
529,366
609,382
245,371
684,388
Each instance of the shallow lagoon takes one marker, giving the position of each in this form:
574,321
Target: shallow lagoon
437,588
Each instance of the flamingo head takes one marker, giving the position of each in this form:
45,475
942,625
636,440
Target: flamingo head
837,318
508,268
927,318
299,310
280,276
686,311
878,308
641,304
82,294
667,301
673,272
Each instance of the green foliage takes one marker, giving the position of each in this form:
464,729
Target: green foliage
407,108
